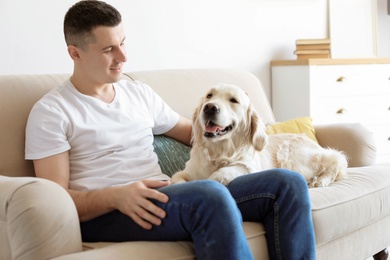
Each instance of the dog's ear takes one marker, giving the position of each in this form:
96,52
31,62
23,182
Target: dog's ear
257,135
195,114
196,133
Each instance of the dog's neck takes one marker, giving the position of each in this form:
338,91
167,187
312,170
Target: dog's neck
222,153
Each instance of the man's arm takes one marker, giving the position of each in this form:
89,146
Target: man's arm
132,200
182,131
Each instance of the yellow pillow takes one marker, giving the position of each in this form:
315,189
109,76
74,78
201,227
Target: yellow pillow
302,125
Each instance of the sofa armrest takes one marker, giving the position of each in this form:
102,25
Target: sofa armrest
38,219
355,140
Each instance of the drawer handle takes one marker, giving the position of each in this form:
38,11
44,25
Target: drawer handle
342,111
342,79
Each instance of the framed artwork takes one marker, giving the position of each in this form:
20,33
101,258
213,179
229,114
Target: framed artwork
353,28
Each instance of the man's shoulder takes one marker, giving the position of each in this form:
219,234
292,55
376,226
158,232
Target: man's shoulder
131,83
134,86
55,97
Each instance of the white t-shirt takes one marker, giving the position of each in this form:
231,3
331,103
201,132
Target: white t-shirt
109,144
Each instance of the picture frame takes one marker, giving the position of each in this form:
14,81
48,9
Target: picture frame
388,7
353,28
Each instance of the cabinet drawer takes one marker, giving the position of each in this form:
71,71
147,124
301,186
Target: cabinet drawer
383,158
345,80
336,91
364,109
382,138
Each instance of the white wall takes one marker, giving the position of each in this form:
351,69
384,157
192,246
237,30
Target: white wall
245,34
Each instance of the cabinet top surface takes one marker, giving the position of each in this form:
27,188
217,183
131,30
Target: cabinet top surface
329,62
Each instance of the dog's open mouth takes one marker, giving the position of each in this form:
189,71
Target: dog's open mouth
213,130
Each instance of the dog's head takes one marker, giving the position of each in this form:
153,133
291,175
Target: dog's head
226,113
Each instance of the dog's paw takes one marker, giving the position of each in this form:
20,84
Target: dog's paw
179,177
319,182
221,177
177,181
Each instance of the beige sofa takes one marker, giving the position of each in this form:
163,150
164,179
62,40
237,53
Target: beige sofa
38,219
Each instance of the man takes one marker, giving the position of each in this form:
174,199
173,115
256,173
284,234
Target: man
93,135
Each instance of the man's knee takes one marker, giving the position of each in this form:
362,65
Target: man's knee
291,179
205,193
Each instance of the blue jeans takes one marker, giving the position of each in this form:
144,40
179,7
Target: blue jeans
211,215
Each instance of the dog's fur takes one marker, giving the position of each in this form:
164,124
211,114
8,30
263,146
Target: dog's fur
229,140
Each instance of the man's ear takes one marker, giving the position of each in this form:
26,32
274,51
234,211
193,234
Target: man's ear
74,53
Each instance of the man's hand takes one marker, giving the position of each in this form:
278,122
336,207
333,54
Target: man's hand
134,201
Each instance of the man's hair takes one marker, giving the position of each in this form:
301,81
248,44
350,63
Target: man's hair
85,16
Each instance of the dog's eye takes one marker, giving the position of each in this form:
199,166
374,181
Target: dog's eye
209,95
233,100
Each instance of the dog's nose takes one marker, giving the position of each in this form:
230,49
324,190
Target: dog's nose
211,109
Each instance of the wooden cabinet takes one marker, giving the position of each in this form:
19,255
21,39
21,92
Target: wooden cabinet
334,91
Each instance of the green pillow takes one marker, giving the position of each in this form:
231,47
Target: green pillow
172,154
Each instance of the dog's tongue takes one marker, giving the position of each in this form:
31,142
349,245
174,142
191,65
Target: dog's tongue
212,128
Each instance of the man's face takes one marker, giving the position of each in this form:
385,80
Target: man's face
102,61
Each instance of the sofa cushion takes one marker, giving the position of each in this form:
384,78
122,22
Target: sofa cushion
254,232
172,155
301,125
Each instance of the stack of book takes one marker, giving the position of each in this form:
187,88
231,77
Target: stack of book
312,49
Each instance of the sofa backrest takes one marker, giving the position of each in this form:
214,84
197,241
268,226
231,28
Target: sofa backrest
18,93
181,89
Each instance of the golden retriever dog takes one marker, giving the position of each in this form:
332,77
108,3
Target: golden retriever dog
229,140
